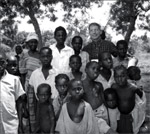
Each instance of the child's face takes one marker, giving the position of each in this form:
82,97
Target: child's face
106,60
18,49
60,37
93,71
75,64
12,66
33,44
45,57
2,64
76,90
43,95
77,44
111,101
122,50
62,86
120,77
136,75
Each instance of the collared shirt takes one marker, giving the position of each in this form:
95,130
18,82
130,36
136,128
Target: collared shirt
105,83
60,61
10,90
127,61
94,48
38,78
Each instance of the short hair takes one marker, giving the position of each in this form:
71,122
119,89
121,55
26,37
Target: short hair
120,67
73,39
75,56
60,28
101,54
71,82
61,76
44,85
109,91
132,70
95,24
90,63
44,48
122,42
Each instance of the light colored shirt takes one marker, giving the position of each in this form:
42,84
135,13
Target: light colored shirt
60,61
106,84
10,90
38,78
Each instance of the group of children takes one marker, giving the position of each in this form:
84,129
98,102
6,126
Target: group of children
94,98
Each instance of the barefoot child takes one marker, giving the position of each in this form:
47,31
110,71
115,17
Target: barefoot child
75,65
77,115
94,95
126,93
61,83
45,117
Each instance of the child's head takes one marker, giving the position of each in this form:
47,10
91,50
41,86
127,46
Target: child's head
92,70
61,83
2,62
105,60
76,89
60,35
134,73
18,49
122,47
75,62
46,56
110,97
120,75
44,92
77,43
12,65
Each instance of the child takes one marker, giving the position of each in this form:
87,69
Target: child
61,83
123,58
111,102
106,76
77,115
11,93
61,52
45,117
77,43
75,65
12,65
94,96
126,93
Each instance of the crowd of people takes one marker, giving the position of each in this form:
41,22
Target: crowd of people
91,89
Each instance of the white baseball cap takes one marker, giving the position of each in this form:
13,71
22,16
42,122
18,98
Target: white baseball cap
32,36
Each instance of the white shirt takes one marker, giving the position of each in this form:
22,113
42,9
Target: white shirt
38,78
10,90
60,61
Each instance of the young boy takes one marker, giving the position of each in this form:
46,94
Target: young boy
61,83
77,43
12,65
77,115
45,117
75,65
126,93
60,51
106,76
10,101
123,58
111,103
94,96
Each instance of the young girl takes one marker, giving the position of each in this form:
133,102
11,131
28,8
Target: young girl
77,115
75,65
45,117
61,83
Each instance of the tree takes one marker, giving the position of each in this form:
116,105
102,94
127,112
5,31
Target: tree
124,14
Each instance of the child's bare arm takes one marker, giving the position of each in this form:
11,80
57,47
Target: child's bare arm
52,118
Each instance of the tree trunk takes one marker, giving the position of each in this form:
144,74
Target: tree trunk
36,26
